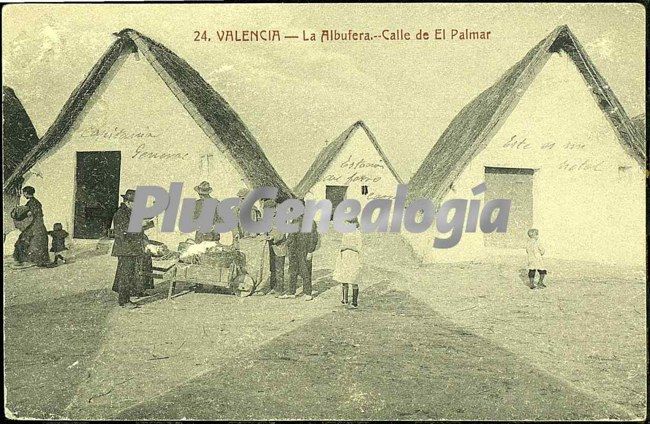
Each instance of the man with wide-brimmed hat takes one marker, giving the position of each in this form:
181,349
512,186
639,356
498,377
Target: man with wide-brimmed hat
204,191
130,251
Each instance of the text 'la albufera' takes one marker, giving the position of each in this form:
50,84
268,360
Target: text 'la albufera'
294,215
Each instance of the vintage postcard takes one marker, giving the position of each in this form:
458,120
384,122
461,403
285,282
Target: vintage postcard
324,211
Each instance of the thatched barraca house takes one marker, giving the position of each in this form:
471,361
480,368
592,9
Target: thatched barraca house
18,139
551,136
352,166
142,116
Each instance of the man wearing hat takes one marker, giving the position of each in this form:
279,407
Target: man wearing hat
204,191
130,251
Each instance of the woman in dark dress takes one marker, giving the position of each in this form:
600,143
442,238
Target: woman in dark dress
34,236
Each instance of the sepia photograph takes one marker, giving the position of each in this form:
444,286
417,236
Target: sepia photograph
348,212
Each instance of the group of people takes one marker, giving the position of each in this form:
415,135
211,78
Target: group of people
133,274
31,247
299,248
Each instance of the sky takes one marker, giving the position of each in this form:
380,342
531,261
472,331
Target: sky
296,96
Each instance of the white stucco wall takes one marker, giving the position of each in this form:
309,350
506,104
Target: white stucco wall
593,212
135,101
357,164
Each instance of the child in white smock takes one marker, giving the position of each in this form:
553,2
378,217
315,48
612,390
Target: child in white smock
349,264
535,253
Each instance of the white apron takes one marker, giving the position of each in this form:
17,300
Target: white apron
348,262
535,253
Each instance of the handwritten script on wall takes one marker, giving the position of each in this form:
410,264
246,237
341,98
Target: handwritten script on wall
116,133
571,164
142,153
358,173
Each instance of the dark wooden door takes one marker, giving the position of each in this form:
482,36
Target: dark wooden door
97,193
515,184
335,194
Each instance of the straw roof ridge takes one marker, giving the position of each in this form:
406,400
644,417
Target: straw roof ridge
18,135
472,128
329,152
211,111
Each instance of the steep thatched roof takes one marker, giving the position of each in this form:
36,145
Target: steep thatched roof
639,121
329,152
18,136
471,130
210,111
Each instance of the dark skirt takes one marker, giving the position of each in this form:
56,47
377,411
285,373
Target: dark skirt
127,274
146,279
32,245
20,250
134,272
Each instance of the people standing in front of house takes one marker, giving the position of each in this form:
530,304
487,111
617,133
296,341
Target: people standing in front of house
301,247
34,236
129,249
204,191
535,252
58,248
349,264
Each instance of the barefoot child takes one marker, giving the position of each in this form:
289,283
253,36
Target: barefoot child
348,264
58,235
535,253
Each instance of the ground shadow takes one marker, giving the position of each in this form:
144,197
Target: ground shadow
322,280
393,358
523,276
49,346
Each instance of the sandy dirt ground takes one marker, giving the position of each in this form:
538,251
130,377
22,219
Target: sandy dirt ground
436,341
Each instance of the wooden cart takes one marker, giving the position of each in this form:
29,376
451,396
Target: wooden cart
218,268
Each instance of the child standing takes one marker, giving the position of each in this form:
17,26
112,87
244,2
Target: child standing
535,253
58,235
348,264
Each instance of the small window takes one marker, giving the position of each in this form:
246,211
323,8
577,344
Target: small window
364,190
206,160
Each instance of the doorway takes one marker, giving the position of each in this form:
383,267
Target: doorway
97,193
515,184
335,194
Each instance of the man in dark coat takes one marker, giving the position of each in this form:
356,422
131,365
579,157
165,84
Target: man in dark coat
301,247
130,252
204,191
